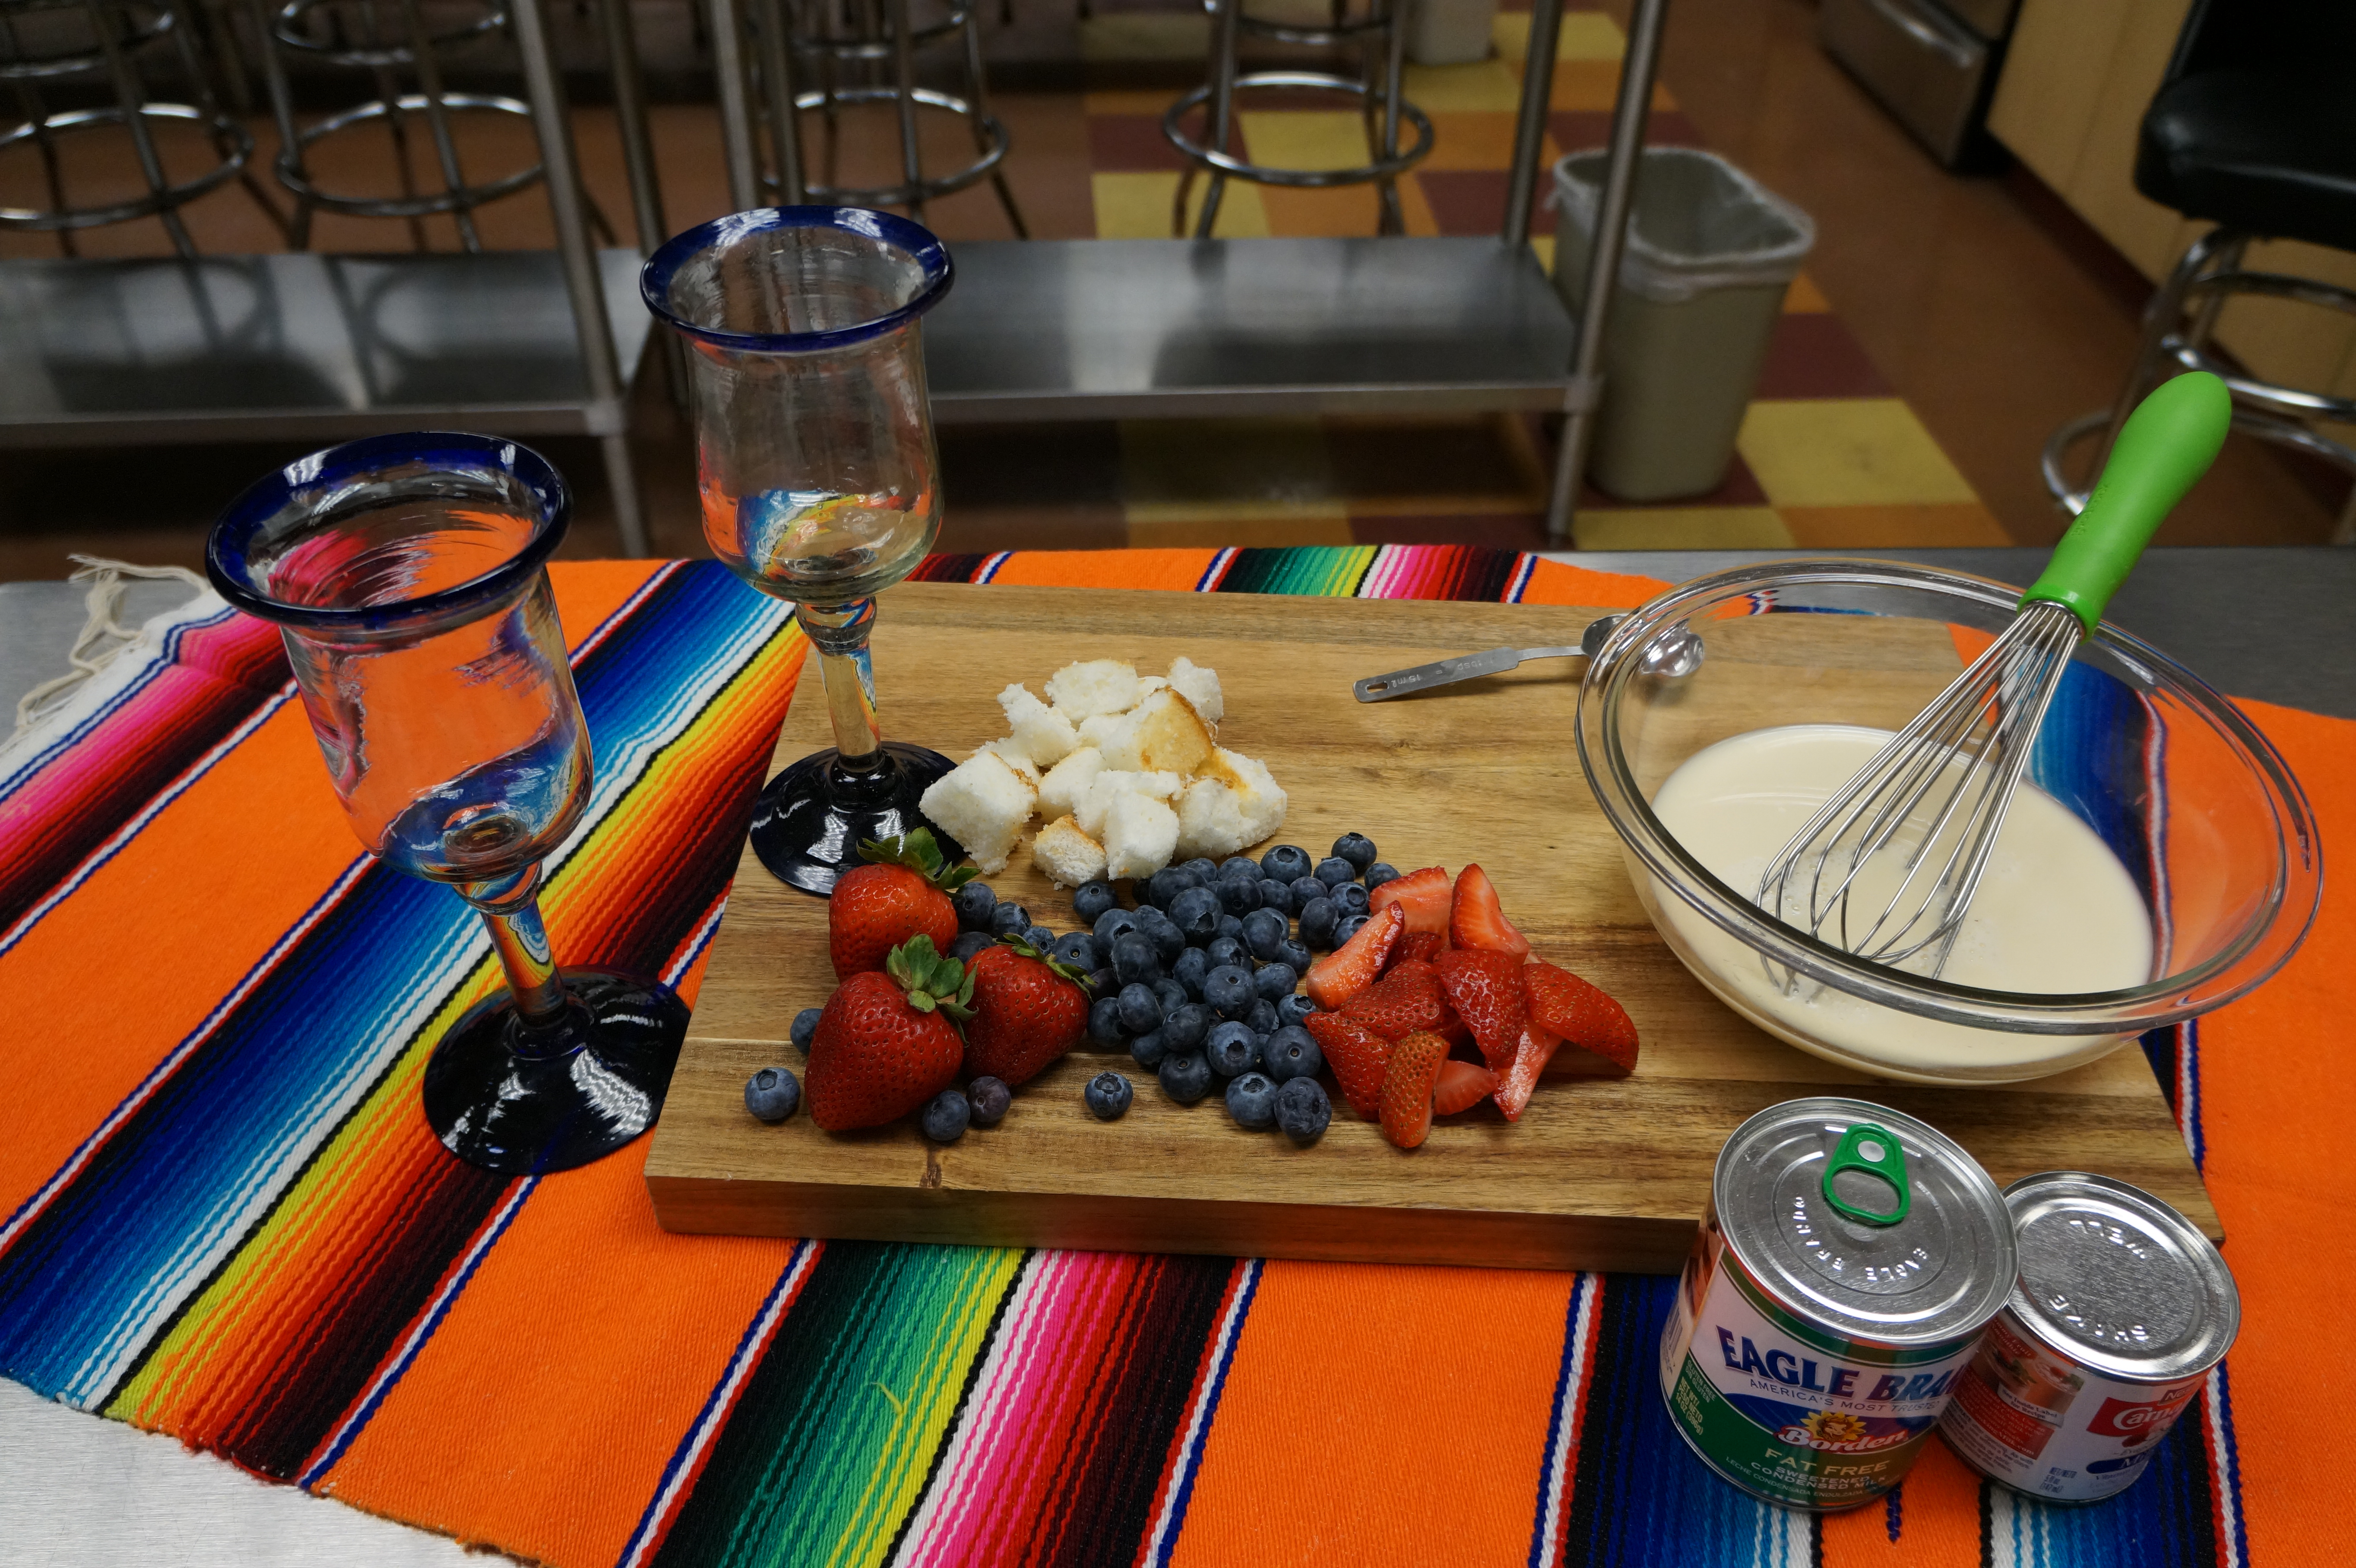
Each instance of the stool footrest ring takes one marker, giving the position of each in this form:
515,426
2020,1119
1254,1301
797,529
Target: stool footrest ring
1300,81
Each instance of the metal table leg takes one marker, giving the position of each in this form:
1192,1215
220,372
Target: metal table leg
735,112
630,117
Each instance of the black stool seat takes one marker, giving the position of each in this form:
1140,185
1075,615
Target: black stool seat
2269,149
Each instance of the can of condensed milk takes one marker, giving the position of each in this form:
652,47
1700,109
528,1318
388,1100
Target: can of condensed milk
1849,1259
2121,1310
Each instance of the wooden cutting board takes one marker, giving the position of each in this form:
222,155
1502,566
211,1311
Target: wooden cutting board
1601,1172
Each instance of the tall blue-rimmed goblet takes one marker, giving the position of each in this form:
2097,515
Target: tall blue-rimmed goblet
816,468
408,576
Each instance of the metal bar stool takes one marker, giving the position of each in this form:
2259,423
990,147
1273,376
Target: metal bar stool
358,34
1384,107
874,42
44,41
2253,129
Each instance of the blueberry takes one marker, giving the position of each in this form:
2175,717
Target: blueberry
772,1094
1078,950
1274,982
1009,919
1261,1016
1185,1028
1378,873
1292,1052
1042,940
1168,883
1205,869
1318,918
1239,895
1242,866
1264,932
1228,951
1185,1079
1251,1101
1228,990
1148,1050
1104,1022
975,904
1230,925
1305,888
1333,871
1139,1009
1293,1010
1285,863
988,1097
1168,940
969,943
1352,899
1110,927
1302,1110
1231,1047
1195,913
1102,983
806,1027
946,1116
1134,959
1356,849
1296,956
1090,900
1347,927
1172,996
1108,1096
1191,966
1277,896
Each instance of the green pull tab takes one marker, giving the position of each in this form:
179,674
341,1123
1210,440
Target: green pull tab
1865,1147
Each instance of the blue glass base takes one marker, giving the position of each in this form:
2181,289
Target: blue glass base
808,824
510,1098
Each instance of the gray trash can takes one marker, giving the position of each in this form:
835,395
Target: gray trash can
1709,252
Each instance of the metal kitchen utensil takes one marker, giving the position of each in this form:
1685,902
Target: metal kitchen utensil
1974,741
1676,654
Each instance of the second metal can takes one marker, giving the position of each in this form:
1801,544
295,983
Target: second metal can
1849,1259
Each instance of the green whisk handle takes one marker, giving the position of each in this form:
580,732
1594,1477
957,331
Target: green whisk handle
2166,443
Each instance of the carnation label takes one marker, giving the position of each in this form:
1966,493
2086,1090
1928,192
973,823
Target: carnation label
1787,1411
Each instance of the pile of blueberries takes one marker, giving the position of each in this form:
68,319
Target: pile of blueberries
1198,979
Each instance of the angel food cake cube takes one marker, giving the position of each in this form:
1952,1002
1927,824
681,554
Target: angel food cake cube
1068,856
1140,834
1199,686
1232,804
1081,691
983,804
1066,783
1039,731
1162,734
1112,785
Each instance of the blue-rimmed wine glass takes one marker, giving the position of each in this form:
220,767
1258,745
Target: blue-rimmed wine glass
408,576
816,473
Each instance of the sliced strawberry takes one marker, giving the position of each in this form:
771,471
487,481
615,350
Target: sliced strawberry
1423,894
1563,1004
1352,967
1358,1056
1460,1086
1514,1084
1418,943
1406,1000
1475,920
1407,1088
1485,989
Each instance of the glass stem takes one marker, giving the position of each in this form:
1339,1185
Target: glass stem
510,907
838,632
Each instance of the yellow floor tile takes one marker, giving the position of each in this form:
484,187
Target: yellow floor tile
1804,298
1490,86
1681,527
1542,244
1146,36
1846,452
1137,206
1585,36
1894,528
1305,138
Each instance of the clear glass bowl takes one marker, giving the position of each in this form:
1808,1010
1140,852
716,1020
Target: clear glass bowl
2198,805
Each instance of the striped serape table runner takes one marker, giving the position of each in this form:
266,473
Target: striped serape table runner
226,1219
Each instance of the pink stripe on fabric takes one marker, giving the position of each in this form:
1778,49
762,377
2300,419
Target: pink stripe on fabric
1393,573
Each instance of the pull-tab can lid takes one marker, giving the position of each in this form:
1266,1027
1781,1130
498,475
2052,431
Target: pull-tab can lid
1907,1244
2118,1280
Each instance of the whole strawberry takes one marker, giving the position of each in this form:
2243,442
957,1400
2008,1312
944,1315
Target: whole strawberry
1027,1013
888,1040
901,892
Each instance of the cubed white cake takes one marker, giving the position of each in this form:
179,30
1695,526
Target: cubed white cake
983,804
1112,782
1210,821
1015,757
1068,856
1092,687
1140,834
1098,728
1068,782
1162,734
1045,736
1260,797
1199,686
